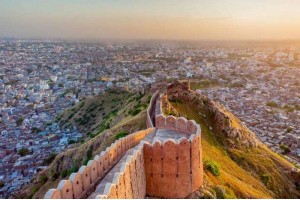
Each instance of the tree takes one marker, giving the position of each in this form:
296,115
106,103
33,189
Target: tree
19,121
2,184
285,149
23,152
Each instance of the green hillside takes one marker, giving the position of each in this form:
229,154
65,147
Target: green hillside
235,172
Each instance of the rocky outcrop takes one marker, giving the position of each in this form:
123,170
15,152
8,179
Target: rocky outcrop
228,129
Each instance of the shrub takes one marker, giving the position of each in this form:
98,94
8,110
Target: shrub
121,135
135,112
212,166
223,192
43,179
64,173
288,108
71,141
23,152
265,179
297,186
285,149
220,192
272,104
72,170
36,130
289,129
48,160
19,121
2,184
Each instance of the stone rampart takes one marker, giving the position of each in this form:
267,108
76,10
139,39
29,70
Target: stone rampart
174,169
131,169
82,183
126,180
177,124
151,109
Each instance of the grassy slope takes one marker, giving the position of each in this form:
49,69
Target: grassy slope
96,112
120,121
241,170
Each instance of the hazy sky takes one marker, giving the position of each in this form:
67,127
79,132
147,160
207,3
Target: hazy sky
151,19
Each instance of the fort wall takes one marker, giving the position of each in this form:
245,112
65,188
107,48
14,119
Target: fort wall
130,168
177,124
82,183
173,168
151,109
126,180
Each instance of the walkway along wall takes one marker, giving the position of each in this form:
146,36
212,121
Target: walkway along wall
81,184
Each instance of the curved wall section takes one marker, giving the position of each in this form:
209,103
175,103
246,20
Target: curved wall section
82,183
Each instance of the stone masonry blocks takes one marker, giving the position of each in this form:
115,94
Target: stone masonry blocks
119,181
157,169
125,168
148,167
181,124
160,121
99,160
111,191
191,126
94,170
53,194
66,188
77,184
169,172
85,172
171,123
184,179
195,163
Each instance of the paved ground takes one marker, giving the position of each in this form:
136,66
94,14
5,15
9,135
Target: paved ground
163,134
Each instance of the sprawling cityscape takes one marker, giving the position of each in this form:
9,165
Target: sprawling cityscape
129,99
39,79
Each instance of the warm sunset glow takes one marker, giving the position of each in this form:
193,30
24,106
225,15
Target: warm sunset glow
158,19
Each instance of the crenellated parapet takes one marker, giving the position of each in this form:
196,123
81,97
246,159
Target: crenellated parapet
180,124
82,183
126,180
174,169
151,110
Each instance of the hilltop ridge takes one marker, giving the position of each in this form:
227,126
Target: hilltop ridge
231,132
236,163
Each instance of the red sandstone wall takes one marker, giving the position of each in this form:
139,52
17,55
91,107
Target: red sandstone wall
177,124
174,169
82,182
150,108
128,181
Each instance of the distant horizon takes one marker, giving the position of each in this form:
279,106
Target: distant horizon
208,20
147,39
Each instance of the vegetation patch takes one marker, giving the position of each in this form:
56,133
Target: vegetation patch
49,160
272,104
23,152
2,184
203,84
223,192
121,135
212,166
286,149
265,179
